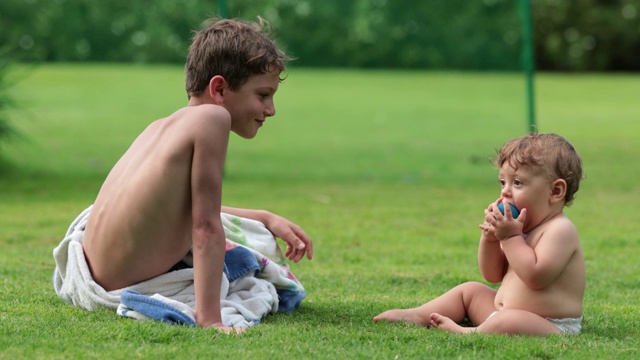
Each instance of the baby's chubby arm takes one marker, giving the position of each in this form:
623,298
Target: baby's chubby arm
298,242
491,259
540,266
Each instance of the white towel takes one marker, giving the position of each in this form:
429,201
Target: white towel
243,302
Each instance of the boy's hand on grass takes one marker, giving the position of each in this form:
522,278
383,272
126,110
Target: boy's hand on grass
228,329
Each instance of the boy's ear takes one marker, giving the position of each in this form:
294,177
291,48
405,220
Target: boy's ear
558,190
217,87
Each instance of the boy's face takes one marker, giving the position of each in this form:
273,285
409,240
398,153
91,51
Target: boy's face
252,103
526,188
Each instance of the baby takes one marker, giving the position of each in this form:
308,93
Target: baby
537,257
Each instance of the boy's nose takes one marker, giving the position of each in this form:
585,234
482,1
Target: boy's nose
270,110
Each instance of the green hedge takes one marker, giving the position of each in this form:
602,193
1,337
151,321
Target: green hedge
440,34
6,102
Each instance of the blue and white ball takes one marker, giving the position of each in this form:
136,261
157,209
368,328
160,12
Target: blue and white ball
514,210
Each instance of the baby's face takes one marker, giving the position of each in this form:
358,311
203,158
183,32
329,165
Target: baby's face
526,189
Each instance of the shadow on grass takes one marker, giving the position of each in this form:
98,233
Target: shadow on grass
7,167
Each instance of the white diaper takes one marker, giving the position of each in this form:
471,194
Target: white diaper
568,326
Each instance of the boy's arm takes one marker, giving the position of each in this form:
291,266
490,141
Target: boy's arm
211,134
298,242
540,266
258,215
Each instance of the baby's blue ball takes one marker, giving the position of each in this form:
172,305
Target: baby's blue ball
514,210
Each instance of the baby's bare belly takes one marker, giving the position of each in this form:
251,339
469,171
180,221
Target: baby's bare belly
552,302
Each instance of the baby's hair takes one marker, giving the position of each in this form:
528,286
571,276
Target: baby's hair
233,48
550,153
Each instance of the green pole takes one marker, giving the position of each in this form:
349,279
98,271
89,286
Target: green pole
528,60
222,12
222,8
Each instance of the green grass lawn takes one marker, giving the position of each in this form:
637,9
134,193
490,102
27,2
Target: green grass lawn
387,171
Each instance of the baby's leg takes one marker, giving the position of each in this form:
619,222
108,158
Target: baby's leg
471,300
517,322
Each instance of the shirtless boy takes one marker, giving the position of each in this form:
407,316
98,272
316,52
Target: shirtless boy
163,197
537,257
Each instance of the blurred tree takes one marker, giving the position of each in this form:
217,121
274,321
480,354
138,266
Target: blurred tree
428,34
587,34
6,102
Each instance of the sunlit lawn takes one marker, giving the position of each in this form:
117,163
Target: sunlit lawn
387,171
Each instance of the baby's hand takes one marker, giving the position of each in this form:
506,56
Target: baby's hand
505,226
488,231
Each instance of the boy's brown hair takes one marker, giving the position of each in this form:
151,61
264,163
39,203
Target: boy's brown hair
234,49
552,154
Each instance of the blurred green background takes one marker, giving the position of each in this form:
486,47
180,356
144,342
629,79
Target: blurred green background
427,34
432,35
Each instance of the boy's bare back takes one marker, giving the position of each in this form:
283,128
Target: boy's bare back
141,222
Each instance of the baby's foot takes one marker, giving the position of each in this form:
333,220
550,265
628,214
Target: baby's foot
398,315
444,323
391,315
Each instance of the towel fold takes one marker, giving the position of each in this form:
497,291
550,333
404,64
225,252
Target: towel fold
256,280
239,262
153,308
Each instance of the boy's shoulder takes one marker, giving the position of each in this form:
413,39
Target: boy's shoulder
203,111
201,118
